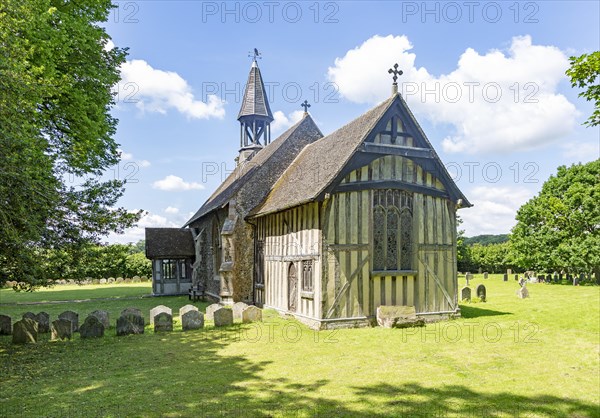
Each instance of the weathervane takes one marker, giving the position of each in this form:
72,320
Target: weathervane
254,54
305,105
396,73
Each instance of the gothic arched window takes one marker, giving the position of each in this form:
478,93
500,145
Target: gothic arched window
392,230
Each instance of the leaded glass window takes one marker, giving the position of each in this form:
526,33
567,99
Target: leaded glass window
307,275
392,230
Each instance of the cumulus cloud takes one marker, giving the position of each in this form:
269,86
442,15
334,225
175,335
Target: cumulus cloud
494,209
171,209
148,220
282,122
126,156
154,90
173,183
583,152
495,102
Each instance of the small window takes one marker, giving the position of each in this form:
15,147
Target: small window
307,275
168,269
181,269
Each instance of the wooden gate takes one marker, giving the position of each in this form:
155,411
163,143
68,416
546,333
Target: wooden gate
292,288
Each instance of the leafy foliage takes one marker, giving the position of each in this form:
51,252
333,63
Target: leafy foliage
55,97
584,72
486,239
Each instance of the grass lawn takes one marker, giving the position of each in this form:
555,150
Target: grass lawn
506,357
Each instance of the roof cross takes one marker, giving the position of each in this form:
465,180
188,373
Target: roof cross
305,105
396,73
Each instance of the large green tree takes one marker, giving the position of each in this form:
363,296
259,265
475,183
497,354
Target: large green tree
585,74
560,227
56,76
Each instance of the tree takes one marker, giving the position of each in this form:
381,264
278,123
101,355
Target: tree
560,227
584,72
55,98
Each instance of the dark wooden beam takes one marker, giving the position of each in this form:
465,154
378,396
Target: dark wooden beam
400,150
390,184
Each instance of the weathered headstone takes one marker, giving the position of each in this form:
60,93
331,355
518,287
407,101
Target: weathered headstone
481,292
127,280
91,328
103,281
5,325
575,281
509,271
192,319
252,314
210,309
237,309
136,279
465,293
103,317
157,310
29,315
163,321
186,308
119,280
43,320
71,316
523,292
516,277
130,323
467,278
398,317
223,317
110,280
25,331
134,311
505,277
61,329
485,274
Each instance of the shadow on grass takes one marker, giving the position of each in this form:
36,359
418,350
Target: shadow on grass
469,311
187,374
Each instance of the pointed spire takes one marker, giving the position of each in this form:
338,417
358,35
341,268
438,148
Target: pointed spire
255,102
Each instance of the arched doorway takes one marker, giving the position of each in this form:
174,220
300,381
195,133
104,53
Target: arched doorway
292,287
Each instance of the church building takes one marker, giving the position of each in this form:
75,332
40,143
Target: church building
323,228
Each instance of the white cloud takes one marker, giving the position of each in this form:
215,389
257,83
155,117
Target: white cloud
109,45
173,183
496,102
282,122
157,91
583,152
144,163
148,220
171,209
494,209
126,156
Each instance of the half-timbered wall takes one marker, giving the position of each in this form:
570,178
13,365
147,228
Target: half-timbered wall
286,238
351,288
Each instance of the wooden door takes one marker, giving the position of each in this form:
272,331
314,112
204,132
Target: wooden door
292,288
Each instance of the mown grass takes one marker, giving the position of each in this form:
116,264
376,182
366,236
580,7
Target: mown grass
505,357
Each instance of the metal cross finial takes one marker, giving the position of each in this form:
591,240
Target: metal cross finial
254,54
396,73
305,105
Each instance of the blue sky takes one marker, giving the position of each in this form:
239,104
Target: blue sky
484,79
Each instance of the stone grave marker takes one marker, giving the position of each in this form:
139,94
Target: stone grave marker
505,277
134,311
103,281
71,316
575,281
29,315
186,308
210,309
481,293
163,321
252,314
480,270
223,317
61,329
523,292
5,325
465,293
103,317
157,310
92,327
192,319
43,320
516,277
509,271
485,275
130,323
25,331
237,309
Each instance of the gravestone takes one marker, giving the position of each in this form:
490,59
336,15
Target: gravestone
223,317
192,319
127,280
119,280
158,310
71,316
186,308
505,277
130,323
136,279
95,281
210,309
103,317
485,275
523,292
91,328
103,281
163,321
237,309
516,277
252,314
465,293
61,329
43,320
25,331
480,270
509,271
29,315
110,280
481,292
575,281
134,311
398,317
5,325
